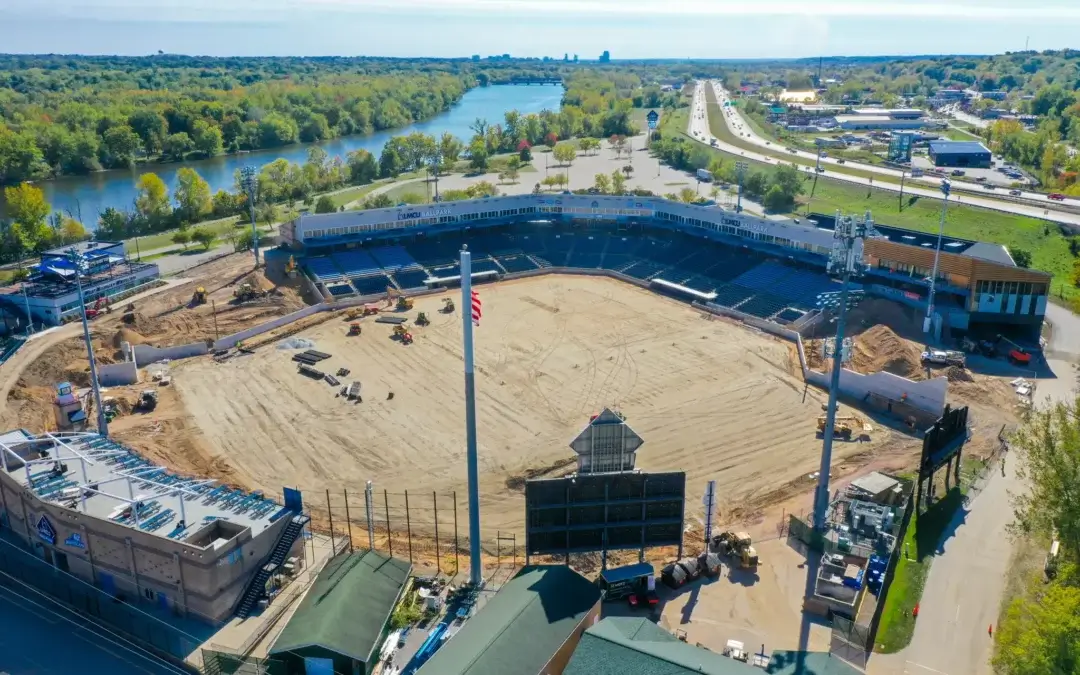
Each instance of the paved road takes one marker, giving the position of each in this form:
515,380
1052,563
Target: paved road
1039,207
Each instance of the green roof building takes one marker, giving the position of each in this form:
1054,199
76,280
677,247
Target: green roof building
529,627
637,646
345,616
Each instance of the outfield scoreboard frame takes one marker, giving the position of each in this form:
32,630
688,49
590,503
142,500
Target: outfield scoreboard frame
942,444
603,512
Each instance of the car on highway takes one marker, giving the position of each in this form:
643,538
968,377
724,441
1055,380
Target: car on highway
957,172
840,160
793,151
989,186
1056,196
980,179
1016,193
820,169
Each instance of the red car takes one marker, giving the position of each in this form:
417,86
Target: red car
1056,196
643,598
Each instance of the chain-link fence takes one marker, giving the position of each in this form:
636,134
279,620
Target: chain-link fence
851,642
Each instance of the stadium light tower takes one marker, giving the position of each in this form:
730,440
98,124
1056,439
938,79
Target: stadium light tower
946,187
740,171
251,185
81,267
844,263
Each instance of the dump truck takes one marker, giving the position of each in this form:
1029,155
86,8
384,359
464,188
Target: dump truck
404,304
199,296
354,329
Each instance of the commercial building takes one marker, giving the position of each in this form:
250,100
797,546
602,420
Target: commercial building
345,616
96,509
51,296
803,96
530,627
960,154
867,122
892,113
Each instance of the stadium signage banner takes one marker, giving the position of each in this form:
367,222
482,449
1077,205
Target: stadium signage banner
735,222
46,530
430,213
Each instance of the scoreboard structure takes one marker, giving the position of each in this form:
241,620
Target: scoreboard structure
604,512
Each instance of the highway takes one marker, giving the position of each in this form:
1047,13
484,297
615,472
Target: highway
926,187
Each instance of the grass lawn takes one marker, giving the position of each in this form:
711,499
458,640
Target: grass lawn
352,194
398,192
921,543
960,135
164,239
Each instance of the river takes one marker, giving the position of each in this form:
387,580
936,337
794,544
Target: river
87,196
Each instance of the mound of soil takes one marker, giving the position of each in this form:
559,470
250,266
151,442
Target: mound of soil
957,374
258,280
557,469
128,335
879,348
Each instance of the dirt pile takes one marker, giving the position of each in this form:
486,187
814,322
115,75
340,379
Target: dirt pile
556,469
258,280
881,349
128,335
957,374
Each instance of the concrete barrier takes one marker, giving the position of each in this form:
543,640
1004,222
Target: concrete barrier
926,395
231,340
117,374
147,354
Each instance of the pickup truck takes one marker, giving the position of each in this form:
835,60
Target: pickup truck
943,358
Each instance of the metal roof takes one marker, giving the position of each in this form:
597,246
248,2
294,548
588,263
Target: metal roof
957,148
627,572
874,483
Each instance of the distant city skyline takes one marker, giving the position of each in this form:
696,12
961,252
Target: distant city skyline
536,28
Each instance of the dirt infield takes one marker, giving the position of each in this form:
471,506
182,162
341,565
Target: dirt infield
709,397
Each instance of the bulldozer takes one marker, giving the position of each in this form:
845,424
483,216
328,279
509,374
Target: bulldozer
246,292
357,312
736,545
448,306
198,297
845,426
422,319
354,329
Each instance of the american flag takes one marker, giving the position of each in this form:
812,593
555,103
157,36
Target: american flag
476,308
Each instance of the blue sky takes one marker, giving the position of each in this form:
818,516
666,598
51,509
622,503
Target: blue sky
628,28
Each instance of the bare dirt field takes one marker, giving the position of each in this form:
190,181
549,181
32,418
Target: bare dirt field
709,397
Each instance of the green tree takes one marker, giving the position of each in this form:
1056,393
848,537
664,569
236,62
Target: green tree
192,195
325,205
119,146
379,201
618,182
224,203
28,210
687,195
1022,257
775,200
182,237
362,167
482,188
602,183
177,146
1041,634
71,231
207,139
244,240
565,153
112,224
391,163
277,129
450,148
478,155
204,237
152,200
513,169
20,157
151,127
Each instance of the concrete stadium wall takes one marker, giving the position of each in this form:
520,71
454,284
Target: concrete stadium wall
231,340
147,354
927,395
118,374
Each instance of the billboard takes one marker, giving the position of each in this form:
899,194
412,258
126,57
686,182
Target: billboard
604,512
944,440
900,147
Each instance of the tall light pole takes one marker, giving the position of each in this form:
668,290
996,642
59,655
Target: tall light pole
843,263
903,174
251,185
29,316
81,267
468,318
740,172
946,187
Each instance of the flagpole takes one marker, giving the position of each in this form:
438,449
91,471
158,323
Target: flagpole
475,569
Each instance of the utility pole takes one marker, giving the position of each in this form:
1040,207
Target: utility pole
903,174
946,188
740,172
843,263
468,318
251,184
81,268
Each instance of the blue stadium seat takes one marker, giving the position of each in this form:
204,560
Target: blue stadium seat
518,263
788,315
485,265
393,258
338,290
412,278
323,268
355,263
371,284
763,305
730,295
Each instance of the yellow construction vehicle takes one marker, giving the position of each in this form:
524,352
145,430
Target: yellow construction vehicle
845,426
400,330
354,328
199,296
245,292
736,545
422,320
404,304
448,306
290,267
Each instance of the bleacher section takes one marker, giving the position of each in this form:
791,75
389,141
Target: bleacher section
741,278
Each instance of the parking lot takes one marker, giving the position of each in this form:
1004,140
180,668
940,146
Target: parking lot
991,176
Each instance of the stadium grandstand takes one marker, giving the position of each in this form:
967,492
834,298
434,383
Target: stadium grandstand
773,269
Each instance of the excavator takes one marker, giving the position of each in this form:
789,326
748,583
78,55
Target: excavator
845,426
448,306
404,303
422,319
246,292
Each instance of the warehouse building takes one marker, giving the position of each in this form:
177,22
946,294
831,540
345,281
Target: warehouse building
868,122
968,154
344,617
530,627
